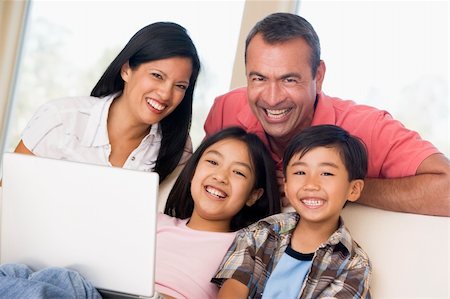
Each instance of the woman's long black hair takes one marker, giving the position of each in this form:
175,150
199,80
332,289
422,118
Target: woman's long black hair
157,41
181,205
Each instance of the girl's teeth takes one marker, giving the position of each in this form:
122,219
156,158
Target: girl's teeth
215,192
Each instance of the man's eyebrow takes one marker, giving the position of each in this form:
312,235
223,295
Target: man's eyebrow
253,73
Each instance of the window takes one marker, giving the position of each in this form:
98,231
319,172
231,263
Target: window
389,54
64,54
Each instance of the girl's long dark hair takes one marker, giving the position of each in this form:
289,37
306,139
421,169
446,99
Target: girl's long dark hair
154,42
181,205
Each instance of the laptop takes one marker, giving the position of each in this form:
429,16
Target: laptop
97,220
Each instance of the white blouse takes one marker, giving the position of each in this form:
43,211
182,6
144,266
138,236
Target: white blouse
75,129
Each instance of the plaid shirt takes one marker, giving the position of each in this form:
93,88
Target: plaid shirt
340,268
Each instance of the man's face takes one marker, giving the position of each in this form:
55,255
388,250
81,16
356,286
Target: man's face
281,88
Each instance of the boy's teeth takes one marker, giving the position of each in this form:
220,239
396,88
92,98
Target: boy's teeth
312,202
155,104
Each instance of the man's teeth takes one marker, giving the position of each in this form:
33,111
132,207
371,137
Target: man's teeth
312,202
277,113
155,104
215,192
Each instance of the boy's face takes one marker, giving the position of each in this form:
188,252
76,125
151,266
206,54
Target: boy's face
317,185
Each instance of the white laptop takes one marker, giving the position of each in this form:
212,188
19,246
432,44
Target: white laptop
97,220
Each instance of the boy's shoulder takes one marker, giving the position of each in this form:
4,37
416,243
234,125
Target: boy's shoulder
279,223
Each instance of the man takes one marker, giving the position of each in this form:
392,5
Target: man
284,95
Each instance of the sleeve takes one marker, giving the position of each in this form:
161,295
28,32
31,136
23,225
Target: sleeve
350,283
43,131
395,150
214,120
239,261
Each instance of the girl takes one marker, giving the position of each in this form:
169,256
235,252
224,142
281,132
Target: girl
139,112
228,183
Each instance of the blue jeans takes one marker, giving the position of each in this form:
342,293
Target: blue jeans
19,281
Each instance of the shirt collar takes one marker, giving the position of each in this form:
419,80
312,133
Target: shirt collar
323,112
96,132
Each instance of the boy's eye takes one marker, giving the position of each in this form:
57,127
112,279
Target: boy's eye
327,174
239,173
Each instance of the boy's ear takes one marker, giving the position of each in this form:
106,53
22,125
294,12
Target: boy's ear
355,190
125,71
256,194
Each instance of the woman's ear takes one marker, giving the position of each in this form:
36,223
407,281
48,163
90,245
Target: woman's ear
125,71
356,187
254,196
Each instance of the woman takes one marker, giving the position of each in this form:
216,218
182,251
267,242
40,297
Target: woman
139,112
137,117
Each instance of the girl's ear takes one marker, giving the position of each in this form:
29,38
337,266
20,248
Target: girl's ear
125,71
356,188
254,196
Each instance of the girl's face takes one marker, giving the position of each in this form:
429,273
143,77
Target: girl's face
154,89
222,184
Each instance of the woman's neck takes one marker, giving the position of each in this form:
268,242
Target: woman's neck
121,125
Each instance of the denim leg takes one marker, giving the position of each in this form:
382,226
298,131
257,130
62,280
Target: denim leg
19,281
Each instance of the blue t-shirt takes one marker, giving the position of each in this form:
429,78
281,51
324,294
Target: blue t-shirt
286,280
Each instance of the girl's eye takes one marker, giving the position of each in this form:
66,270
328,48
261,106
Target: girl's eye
299,172
211,162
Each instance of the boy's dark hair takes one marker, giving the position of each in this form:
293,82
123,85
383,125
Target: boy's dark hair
281,27
157,41
181,205
351,148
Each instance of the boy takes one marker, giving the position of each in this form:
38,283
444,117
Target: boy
307,253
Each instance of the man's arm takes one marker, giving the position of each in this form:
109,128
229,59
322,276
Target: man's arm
233,289
427,192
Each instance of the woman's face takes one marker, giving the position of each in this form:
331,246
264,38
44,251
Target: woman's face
222,184
154,89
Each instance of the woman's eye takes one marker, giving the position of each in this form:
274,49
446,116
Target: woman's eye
181,86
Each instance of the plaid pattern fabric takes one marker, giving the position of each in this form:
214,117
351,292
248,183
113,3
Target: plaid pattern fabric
340,268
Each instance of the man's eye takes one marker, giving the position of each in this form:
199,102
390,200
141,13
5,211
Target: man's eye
156,75
291,80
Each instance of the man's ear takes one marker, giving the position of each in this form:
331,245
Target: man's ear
256,194
320,76
356,187
125,71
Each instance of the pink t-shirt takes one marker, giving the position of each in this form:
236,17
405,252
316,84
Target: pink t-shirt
187,259
393,150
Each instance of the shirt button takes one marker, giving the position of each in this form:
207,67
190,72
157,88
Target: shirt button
133,158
